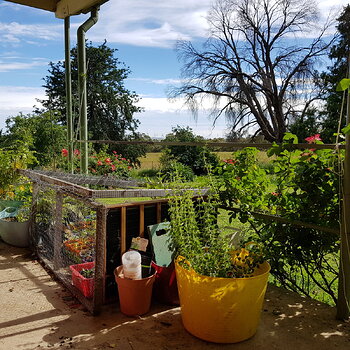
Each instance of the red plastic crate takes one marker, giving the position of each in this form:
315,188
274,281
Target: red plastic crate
85,285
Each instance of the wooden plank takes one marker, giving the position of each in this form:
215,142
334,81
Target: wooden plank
48,5
284,220
234,145
159,212
122,230
343,304
134,204
76,189
58,231
100,260
142,220
137,193
33,213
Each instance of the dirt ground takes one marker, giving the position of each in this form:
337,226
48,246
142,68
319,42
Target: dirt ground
37,313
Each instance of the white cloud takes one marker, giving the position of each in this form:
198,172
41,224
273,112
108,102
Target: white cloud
168,81
15,99
14,66
15,32
151,23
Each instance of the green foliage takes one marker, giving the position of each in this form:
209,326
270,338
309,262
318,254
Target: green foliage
198,158
42,133
182,171
111,107
88,273
242,182
197,238
339,53
302,186
100,163
17,157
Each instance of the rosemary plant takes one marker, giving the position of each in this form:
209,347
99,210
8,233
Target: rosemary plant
196,236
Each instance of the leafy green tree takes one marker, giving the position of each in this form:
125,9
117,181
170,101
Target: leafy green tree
339,54
307,124
42,134
110,105
198,158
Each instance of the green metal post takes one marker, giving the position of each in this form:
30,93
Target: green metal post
343,305
68,77
82,88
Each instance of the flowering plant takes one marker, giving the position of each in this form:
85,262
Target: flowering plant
101,163
302,187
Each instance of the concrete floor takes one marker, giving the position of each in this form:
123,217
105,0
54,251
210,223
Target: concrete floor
38,313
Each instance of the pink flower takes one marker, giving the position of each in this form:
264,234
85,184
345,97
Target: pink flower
76,152
313,138
276,194
64,152
113,167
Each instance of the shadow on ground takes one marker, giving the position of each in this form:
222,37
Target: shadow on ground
38,313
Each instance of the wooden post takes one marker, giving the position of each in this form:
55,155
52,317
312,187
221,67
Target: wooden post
159,212
343,305
142,220
57,239
100,261
33,213
122,230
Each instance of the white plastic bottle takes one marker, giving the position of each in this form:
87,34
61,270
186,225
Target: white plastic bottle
131,261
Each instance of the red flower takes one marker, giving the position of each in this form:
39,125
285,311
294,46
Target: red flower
76,152
99,162
108,160
276,194
229,161
313,138
64,152
113,167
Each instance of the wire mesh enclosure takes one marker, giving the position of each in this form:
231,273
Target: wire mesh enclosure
80,233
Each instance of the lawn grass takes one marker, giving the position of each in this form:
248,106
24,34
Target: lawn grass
151,160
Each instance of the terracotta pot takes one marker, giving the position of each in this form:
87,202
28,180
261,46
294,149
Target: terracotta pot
134,295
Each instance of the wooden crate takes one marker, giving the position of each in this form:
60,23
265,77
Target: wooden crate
116,225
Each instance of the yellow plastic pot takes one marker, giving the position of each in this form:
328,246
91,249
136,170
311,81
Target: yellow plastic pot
221,310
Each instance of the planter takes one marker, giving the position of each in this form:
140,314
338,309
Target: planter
85,285
165,286
134,295
221,310
15,233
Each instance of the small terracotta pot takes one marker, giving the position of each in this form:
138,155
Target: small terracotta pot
134,295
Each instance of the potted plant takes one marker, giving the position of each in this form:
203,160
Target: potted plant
14,223
83,277
221,288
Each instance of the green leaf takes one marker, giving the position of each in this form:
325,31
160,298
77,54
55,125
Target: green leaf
346,130
343,85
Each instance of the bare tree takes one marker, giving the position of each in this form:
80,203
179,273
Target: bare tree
258,64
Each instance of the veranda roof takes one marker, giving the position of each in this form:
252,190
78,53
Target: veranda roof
62,8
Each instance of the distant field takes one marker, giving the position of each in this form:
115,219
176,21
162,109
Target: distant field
151,161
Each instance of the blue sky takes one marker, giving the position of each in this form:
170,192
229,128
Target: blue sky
143,31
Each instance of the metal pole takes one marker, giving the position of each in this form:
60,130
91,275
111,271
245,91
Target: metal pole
68,77
343,305
82,88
